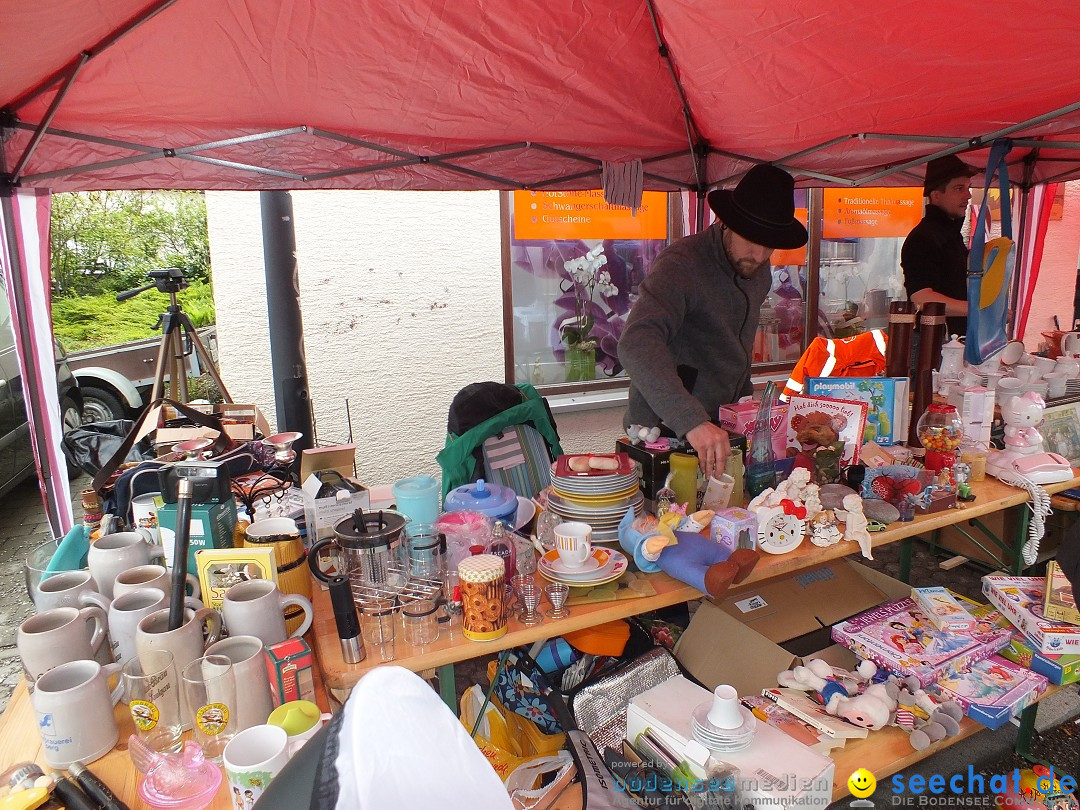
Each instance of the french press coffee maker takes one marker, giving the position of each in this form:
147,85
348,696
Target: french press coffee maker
371,544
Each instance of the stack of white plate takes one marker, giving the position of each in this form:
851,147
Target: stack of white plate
723,739
602,566
599,498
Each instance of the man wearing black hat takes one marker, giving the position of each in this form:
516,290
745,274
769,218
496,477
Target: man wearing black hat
934,256
688,340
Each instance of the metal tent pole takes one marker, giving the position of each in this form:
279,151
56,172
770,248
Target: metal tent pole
287,355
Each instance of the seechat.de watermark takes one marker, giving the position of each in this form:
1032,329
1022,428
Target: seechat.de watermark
966,789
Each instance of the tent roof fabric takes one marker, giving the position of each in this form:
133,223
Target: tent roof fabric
248,94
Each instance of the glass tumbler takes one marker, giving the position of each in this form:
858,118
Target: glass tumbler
152,692
426,550
419,622
210,686
379,618
34,569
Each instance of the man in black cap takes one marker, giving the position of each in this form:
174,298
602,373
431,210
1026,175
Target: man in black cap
934,256
689,338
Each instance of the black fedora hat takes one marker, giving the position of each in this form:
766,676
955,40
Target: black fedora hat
761,208
940,171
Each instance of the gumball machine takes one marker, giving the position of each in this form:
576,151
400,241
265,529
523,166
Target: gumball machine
940,431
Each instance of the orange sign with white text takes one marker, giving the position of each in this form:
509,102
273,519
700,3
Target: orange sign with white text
855,213
585,215
796,256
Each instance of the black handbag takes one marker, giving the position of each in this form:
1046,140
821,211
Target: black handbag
93,445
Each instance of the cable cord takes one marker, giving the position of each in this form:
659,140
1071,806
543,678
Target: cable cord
1040,511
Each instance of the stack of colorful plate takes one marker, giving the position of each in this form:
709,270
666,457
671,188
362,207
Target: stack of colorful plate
602,566
599,497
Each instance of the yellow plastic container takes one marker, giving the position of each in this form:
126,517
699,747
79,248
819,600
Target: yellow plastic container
684,471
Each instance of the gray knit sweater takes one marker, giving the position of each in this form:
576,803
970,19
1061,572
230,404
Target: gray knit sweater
688,340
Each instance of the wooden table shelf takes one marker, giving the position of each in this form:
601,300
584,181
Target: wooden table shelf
883,752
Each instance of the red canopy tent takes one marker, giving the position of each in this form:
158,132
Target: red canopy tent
416,94
472,94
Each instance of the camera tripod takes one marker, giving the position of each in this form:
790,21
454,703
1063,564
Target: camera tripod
178,338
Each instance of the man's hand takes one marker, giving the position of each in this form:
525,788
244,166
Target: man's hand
712,448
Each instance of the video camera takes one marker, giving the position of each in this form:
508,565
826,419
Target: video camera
166,279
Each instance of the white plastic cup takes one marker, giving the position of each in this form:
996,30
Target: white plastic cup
725,709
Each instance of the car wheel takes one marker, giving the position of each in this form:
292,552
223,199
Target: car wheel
101,406
70,418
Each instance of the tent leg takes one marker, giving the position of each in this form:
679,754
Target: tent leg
289,362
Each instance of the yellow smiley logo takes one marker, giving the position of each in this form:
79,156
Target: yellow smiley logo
862,783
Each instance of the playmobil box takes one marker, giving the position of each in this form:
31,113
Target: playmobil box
887,398
1059,604
777,623
1058,669
1020,599
944,612
900,637
992,691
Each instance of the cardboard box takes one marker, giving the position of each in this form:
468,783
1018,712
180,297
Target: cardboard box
241,423
992,691
339,457
1058,669
775,624
1020,599
321,513
900,637
774,770
742,417
975,405
654,465
943,610
1059,602
290,667
212,526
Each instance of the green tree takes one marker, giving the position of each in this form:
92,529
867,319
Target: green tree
107,241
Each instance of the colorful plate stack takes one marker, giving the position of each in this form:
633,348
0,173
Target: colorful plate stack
598,497
603,565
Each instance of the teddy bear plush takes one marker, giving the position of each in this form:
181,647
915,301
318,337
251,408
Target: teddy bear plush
865,699
868,709
820,450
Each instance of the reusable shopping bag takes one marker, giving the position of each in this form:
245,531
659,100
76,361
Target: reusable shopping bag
990,268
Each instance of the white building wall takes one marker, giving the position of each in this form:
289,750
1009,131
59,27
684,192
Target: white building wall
401,295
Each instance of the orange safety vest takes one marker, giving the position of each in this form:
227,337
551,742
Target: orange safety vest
859,356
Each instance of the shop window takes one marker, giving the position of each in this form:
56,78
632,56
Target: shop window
857,275
573,265
862,231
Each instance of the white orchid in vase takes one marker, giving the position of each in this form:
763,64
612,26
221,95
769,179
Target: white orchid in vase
586,278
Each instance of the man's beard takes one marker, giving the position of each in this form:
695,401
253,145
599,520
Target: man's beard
748,268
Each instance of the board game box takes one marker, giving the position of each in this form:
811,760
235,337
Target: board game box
1020,599
900,637
993,691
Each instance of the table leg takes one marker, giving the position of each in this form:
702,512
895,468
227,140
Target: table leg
1020,538
448,686
1024,735
906,547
